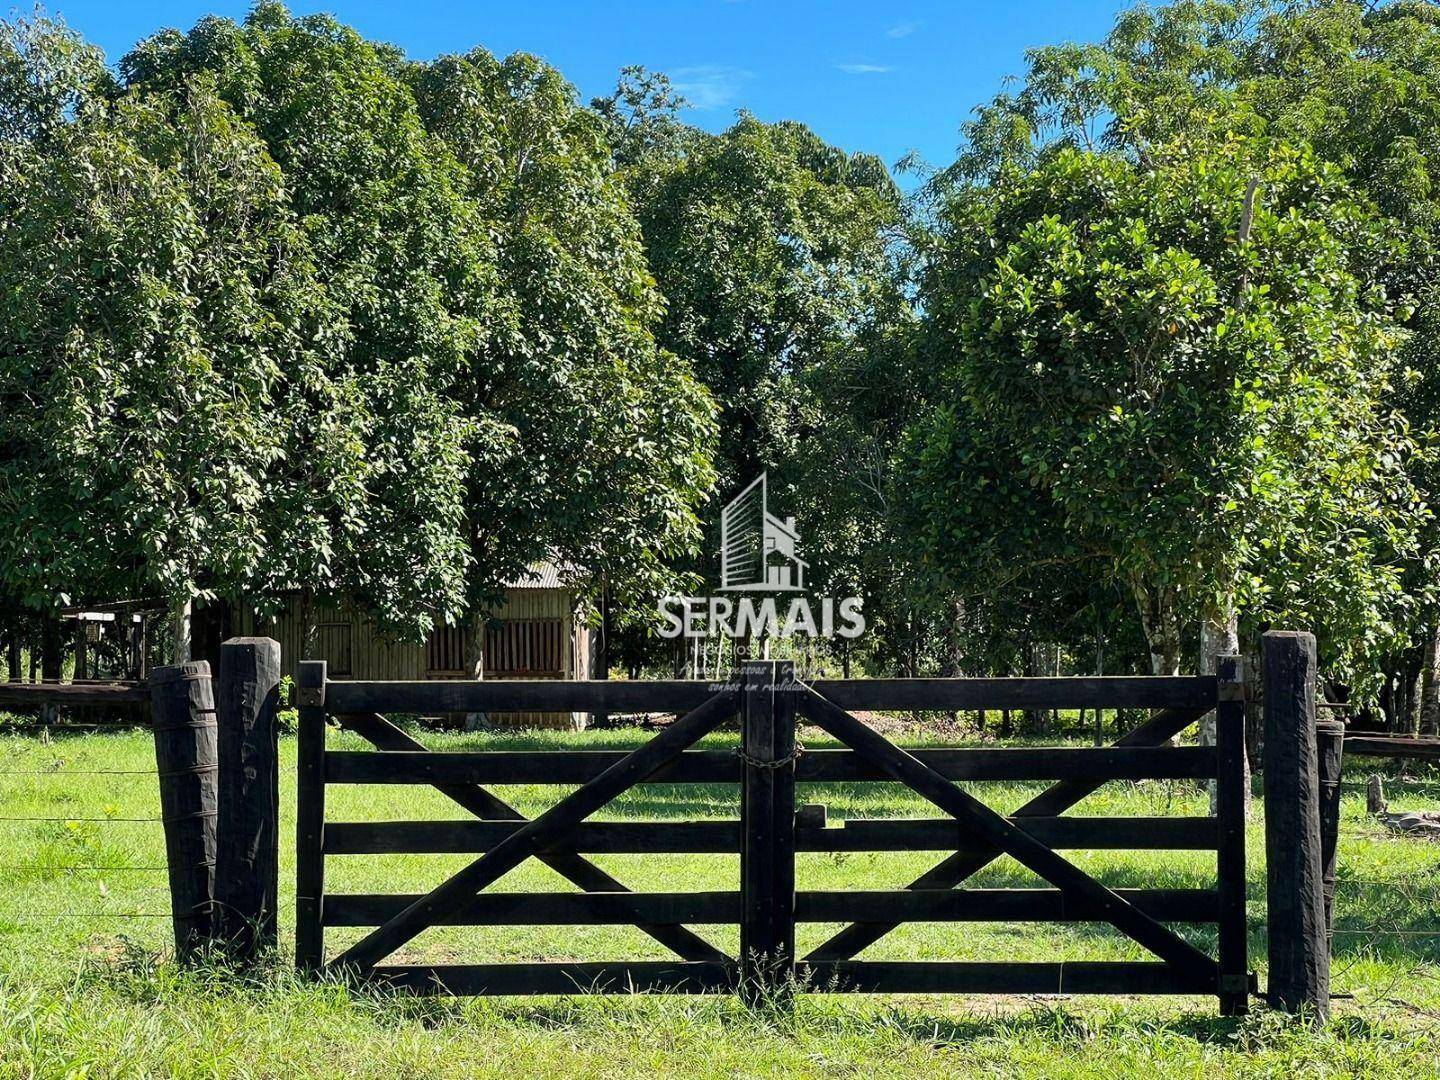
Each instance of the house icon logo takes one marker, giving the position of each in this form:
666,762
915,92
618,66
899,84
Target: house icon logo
757,549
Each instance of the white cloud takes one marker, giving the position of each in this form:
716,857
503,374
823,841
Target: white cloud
863,69
904,29
710,86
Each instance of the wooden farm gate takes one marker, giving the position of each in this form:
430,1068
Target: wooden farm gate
768,763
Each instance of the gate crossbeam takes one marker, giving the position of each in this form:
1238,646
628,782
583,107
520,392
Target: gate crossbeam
448,897
956,869
485,804
1089,894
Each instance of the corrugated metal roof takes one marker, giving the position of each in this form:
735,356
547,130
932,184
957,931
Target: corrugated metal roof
542,576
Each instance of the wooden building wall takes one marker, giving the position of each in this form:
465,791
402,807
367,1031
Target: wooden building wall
524,639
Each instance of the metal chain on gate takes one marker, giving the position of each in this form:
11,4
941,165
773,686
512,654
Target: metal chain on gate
779,763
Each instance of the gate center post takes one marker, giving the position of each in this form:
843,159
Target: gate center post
767,815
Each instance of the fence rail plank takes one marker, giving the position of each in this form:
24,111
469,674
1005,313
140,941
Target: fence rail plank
544,909
559,695
521,695
1081,692
36,695
1393,746
617,909
710,837
1077,977
722,766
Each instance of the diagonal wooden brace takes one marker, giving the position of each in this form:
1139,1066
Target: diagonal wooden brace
1087,894
484,804
447,898
955,869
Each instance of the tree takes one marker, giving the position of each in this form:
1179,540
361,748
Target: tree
642,121
781,263
48,73
612,435
367,501
1356,82
1169,366
773,251
154,285
489,341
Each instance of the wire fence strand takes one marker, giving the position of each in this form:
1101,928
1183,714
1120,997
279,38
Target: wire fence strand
44,868
76,772
85,915
116,820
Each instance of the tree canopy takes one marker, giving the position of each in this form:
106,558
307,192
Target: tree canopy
1151,365
1170,370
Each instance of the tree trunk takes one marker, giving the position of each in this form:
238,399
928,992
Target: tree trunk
180,632
309,631
1412,698
1430,683
1099,670
1034,719
52,648
1219,636
1162,632
1160,622
475,664
12,658
82,651
954,655
600,654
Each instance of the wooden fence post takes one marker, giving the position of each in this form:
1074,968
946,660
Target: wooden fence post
1330,736
310,817
767,863
247,833
183,708
1232,778
1295,896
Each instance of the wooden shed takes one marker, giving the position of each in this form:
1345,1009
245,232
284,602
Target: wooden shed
538,633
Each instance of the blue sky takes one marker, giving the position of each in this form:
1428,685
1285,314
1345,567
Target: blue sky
887,78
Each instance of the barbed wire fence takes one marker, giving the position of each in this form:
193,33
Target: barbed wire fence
106,861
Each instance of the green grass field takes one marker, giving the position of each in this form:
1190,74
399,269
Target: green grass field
86,988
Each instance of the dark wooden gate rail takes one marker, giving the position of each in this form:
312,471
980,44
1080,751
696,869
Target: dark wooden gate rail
767,905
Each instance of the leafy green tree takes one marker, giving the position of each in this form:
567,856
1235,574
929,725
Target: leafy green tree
368,499
150,300
611,434
48,73
487,321
1171,367
1355,81
642,121
772,250
781,263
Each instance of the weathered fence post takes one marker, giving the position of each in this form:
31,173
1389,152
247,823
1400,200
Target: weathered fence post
1330,736
183,708
310,816
1232,779
1299,957
247,834
767,863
